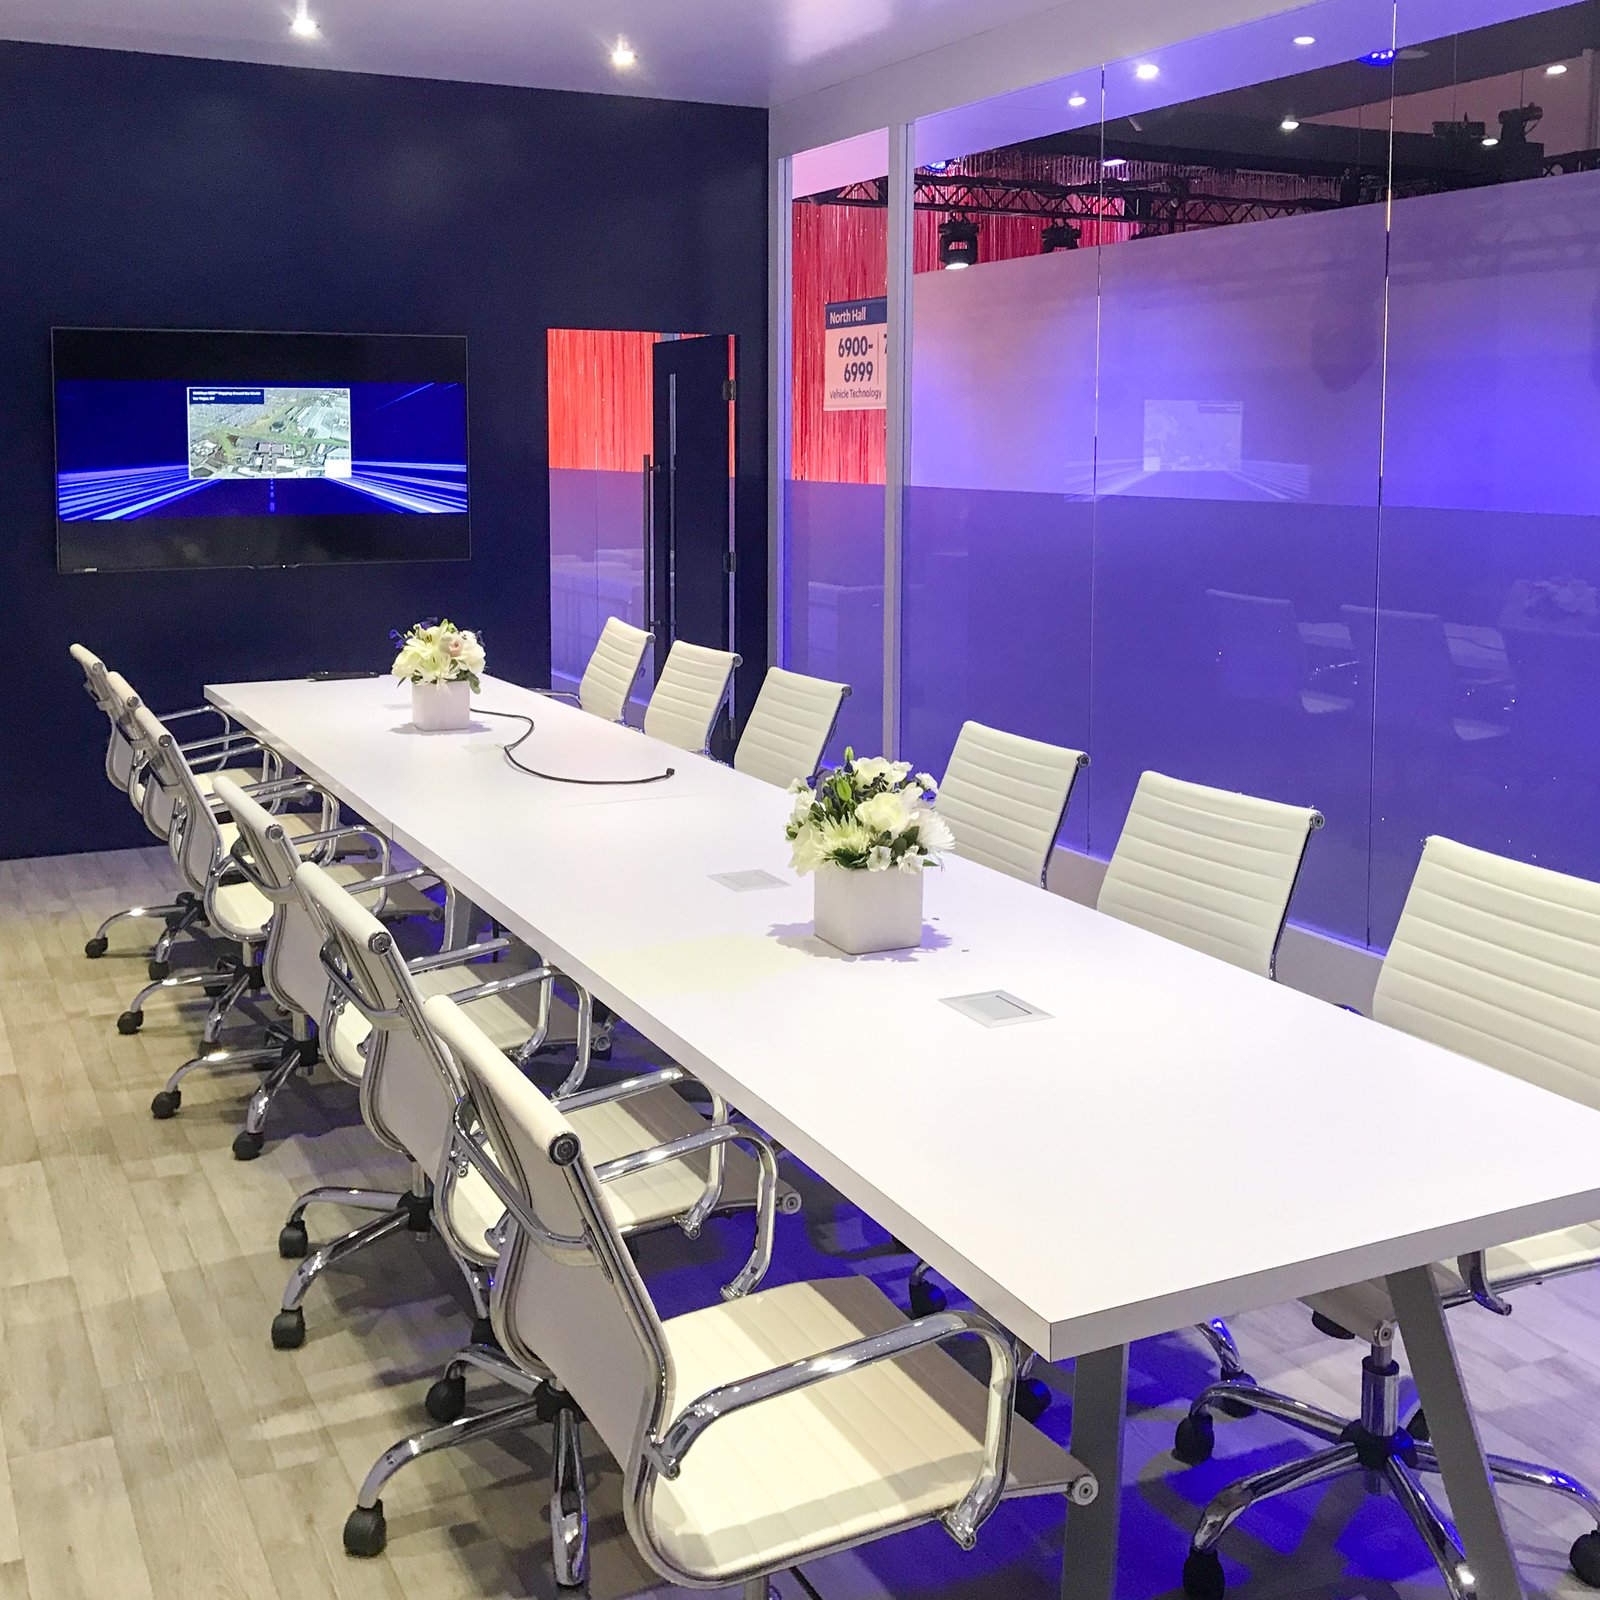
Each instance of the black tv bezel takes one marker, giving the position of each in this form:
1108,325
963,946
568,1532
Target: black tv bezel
239,543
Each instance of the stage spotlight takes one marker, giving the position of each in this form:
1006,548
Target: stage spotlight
1289,124
304,25
1515,123
1146,70
1489,141
958,243
1059,236
1303,39
1555,69
1076,100
622,56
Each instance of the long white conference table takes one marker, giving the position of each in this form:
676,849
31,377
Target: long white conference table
1172,1140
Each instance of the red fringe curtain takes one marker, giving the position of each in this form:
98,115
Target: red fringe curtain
600,398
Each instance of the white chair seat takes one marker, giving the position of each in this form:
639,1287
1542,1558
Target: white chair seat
856,1454
1360,1308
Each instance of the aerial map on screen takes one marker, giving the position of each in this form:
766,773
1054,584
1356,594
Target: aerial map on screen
269,433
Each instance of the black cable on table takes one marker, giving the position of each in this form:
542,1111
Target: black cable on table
557,777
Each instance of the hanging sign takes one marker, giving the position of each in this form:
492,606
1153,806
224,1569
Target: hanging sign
855,337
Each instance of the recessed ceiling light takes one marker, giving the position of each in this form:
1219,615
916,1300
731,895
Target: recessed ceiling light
1490,142
1076,100
1114,161
1303,39
1146,70
622,56
304,25
1289,124
1555,69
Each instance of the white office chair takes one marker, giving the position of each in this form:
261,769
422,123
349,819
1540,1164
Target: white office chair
1004,797
124,769
1499,961
410,1089
775,1427
176,806
688,695
613,669
1215,871
789,727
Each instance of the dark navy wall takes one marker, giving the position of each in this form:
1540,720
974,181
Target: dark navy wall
148,191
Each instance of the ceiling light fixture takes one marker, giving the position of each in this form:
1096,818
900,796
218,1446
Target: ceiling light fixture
1378,58
1146,70
1490,142
958,243
622,56
304,25
1303,39
1289,124
1059,235
1076,100
1555,69
1114,161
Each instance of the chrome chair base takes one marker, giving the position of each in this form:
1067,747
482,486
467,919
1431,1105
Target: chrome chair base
226,985
411,1212
366,1529
172,913
1375,1445
278,1060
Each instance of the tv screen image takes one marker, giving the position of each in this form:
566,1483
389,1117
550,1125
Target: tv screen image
178,449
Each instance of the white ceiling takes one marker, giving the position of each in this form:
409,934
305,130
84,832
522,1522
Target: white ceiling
742,52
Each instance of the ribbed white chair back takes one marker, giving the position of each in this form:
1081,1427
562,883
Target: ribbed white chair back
789,726
567,1297
1500,961
173,795
688,695
609,677
1208,868
122,750
1004,797
409,1089
290,963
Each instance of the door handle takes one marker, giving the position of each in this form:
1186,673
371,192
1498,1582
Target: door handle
649,551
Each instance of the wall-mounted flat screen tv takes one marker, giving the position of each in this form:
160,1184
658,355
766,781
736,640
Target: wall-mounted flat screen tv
208,449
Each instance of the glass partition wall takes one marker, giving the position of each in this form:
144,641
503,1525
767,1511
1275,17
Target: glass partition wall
1254,401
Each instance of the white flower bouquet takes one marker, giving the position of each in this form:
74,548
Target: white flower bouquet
438,652
867,816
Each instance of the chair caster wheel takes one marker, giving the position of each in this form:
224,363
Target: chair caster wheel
1237,1408
1417,1427
1202,1575
365,1533
165,1104
247,1145
1033,1399
159,970
446,1399
1193,1443
1585,1559
292,1241
289,1333
130,1022
928,1299
95,948
483,1332
600,1050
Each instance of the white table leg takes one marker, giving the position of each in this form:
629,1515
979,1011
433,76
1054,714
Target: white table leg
1431,1354
1099,1405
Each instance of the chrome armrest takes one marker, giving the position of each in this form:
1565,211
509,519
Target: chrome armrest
714,1138
281,788
559,694
464,952
962,1520
356,830
387,881
573,1081
643,1084
1476,1277
483,991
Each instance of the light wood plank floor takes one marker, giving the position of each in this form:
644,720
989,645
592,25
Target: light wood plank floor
153,1446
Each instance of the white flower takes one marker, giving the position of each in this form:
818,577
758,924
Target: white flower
879,858
804,799
847,836
924,781
799,786
913,861
889,812
875,767
933,833
807,854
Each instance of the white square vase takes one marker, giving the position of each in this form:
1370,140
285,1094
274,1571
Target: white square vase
441,707
859,912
